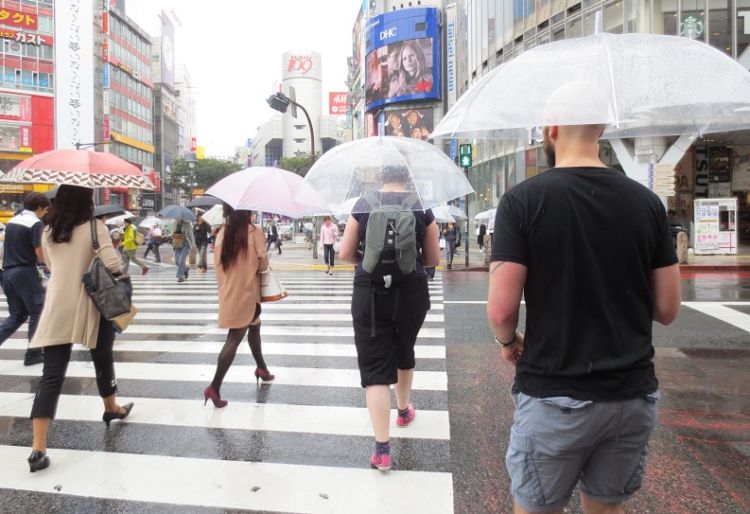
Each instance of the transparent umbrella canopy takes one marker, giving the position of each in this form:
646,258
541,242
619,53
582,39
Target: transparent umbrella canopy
364,167
637,84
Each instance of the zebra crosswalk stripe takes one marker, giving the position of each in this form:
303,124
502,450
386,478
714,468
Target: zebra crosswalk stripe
171,350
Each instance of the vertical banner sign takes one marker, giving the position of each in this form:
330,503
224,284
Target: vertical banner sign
454,149
74,81
167,51
450,79
193,144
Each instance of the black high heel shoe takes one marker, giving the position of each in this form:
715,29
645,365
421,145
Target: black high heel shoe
109,416
38,460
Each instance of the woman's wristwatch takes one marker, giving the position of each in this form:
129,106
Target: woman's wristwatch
507,343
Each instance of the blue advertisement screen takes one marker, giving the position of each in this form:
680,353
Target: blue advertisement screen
403,57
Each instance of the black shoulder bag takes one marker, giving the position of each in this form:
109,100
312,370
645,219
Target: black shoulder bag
110,294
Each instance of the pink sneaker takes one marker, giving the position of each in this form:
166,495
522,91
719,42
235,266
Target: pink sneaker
381,462
403,421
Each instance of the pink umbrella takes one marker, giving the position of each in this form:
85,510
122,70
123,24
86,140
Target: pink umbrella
82,168
266,189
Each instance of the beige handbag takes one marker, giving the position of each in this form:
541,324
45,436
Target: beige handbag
271,289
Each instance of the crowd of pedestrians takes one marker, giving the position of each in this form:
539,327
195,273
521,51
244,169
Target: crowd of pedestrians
585,388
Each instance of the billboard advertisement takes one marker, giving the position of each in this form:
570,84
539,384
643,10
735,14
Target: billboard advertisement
414,123
167,51
338,103
74,81
403,57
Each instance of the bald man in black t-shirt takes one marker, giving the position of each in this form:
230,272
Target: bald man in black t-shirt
591,251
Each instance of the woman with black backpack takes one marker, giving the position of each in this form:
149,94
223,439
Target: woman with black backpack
391,298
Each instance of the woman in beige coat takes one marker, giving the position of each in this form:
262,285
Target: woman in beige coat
239,255
69,315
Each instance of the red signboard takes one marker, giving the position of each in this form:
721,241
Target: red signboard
338,103
193,144
105,50
107,196
105,128
26,37
105,22
18,19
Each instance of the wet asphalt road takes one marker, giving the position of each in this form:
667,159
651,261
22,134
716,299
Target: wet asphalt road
700,452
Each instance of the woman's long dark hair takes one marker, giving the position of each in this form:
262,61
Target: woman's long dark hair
73,205
235,236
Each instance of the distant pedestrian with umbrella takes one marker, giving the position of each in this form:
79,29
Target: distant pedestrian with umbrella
202,233
154,242
240,256
452,240
182,241
182,236
130,245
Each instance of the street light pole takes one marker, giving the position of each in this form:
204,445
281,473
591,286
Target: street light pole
280,102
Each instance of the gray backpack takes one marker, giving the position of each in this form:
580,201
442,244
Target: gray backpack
391,240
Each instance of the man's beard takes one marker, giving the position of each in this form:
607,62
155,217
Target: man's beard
549,152
549,147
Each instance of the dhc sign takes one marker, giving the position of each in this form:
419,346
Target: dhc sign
417,32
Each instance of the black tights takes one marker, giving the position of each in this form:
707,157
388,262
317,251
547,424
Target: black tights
234,338
56,359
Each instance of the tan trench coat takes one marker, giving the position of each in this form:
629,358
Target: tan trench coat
69,315
239,286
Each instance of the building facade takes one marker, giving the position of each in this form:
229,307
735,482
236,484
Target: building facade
491,32
125,96
288,135
27,81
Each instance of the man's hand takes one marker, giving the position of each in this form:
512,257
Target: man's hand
512,353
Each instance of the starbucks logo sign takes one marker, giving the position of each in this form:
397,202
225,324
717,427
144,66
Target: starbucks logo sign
692,26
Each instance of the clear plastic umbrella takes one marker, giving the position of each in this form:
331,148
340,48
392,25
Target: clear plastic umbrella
637,84
118,220
449,213
373,164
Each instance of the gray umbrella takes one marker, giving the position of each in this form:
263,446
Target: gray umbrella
177,212
108,210
204,201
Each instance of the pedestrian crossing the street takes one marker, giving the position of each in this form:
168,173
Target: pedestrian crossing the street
298,444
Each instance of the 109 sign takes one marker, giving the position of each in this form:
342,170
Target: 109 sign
300,63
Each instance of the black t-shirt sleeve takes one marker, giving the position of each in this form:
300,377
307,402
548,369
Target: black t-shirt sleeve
508,242
429,217
664,251
36,234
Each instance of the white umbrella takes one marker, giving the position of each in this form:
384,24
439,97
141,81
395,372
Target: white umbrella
368,165
215,215
485,215
442,214
119,220
151,221
637,84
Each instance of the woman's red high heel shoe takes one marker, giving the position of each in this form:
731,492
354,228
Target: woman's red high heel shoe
209,393
264,375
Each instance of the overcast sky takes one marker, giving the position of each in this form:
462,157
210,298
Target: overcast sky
233,51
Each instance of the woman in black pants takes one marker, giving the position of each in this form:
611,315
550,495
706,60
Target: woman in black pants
69,315
329,232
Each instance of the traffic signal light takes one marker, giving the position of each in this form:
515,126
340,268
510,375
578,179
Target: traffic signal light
465,156
278,102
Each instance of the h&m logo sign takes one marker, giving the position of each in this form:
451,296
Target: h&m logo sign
300,63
